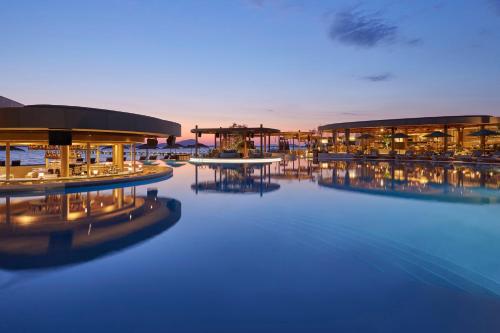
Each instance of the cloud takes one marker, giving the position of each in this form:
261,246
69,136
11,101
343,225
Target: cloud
354,27
378,77
415,42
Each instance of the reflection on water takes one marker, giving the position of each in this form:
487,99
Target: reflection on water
65,228
436,182
315,255
248,178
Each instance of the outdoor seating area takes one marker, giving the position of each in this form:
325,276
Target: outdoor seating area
40,143
236,142
465,139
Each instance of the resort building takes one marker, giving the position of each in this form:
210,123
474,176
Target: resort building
72,141
454,134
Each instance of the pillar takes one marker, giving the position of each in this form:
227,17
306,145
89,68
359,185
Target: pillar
393,131
460,142
269,143
196,142
261,143
7,161
405,140
347,136
87,155
334,141
445,139
133,157
245,148
119,157
64,161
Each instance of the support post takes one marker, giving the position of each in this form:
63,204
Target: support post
119,156
393,131
64,161
460,141
445,145
261,143
245,150
196,142
87,155
133,157
7,161
347,139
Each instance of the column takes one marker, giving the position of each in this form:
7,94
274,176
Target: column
445,145
460,142
334,141
87,155
119,157
261,143
7,161
133,157
196,142
405,140
393,131
97,155
245,150
114,154
64,161
347,138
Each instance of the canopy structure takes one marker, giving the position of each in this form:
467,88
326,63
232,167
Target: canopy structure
237,138
71,132
407,133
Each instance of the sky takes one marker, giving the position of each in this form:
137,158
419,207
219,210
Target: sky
287,64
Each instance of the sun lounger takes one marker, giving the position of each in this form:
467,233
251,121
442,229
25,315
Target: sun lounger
493,158
476,154
445,156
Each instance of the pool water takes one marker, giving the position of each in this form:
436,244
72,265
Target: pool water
289,247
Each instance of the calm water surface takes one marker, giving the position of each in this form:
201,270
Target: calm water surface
294,247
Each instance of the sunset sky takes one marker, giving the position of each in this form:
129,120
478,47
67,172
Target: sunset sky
287,64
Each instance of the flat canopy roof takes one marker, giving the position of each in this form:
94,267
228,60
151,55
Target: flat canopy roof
44,117
236,130
410,122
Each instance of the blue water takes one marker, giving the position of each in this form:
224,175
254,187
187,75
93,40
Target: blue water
317,248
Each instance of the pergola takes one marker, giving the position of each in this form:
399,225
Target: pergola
222,133
86,129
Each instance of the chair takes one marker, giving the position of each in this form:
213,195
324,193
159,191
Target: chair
142,158
92,160
109,159
2,163
16,163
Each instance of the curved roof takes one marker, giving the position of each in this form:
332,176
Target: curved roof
42,117
421,121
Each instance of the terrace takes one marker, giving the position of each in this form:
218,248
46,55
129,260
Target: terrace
461,138
72,142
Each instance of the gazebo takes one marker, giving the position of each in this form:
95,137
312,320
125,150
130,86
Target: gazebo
225,138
